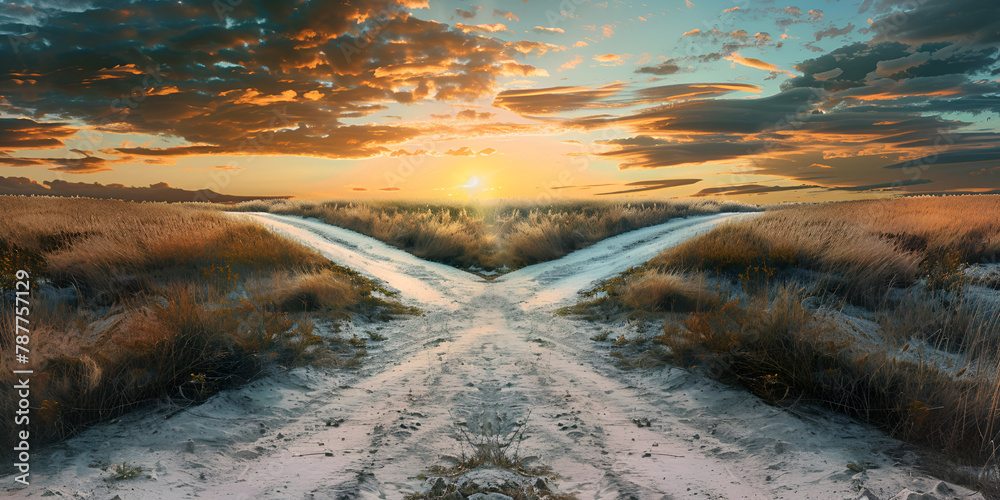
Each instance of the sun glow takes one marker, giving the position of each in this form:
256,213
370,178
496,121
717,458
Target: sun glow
473,184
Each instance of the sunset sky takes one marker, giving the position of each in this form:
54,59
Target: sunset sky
760,100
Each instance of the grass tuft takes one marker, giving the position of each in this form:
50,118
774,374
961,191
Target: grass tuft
125,471
666,291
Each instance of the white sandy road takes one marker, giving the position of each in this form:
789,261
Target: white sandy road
484,353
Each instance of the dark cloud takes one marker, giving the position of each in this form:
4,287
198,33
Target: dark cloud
642,186
939,87
834,32
967,21
852,64
502,13
22,186
355,141
690,91
160,192
950,157
648,152
855,110
729,41
264,77
751,189
793,15
551,100
11,161
718,116
584,186
885,185
667,67
747,189
974,105
466,14
23,133
85,163
794,132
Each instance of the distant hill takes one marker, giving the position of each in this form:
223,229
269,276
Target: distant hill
154,192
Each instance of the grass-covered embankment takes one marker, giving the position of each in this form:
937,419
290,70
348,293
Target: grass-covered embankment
766,303
140,302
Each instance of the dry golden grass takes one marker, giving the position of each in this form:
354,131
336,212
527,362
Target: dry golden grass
646,295
492,235
666,291
171,303
903,259
864,247
315,291
119,248
783,352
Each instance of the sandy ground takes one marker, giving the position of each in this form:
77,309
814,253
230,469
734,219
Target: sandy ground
485,353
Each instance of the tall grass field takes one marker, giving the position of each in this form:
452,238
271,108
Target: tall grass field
887,310
140,303
492,235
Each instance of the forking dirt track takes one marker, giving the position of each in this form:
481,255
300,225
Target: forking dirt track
483,351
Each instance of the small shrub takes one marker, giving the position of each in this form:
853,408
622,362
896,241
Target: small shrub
317,291
496,443
601,337
125,470
666,291
945,273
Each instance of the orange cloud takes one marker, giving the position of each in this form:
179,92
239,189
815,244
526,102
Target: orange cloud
750,62
485,28
527,47
572,63
410,70
252,96
510,16
24,133
553,99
